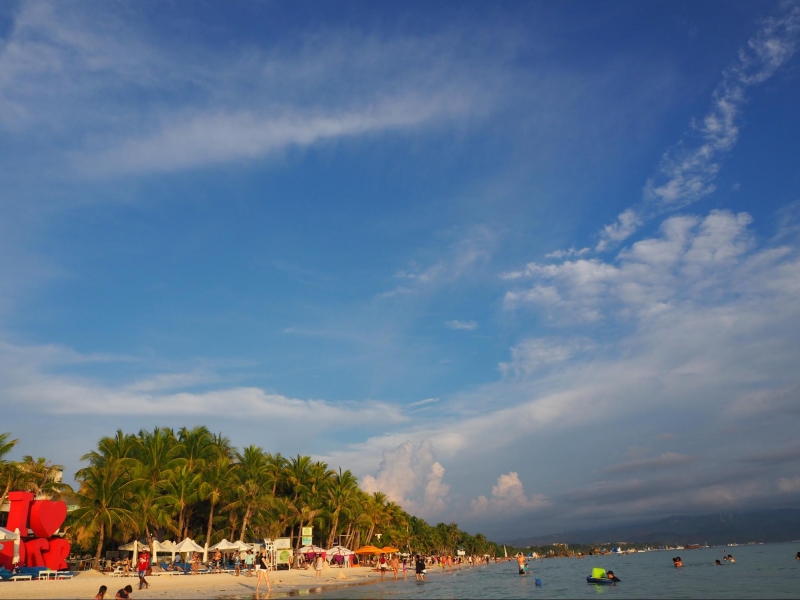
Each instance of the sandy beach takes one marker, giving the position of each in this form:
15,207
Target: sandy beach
86,584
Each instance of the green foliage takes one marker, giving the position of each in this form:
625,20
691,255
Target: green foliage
164,485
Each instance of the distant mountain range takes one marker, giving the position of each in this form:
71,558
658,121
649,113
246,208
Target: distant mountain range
780,525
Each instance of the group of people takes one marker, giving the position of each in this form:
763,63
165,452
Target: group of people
123,594
728,558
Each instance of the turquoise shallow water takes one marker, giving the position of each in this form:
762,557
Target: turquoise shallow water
768,571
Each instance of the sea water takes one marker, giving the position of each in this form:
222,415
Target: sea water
760,571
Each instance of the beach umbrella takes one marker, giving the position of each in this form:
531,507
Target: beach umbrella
240,545
311,550
389,550
135,546
368,550
224,546
187,545
165,546
339,551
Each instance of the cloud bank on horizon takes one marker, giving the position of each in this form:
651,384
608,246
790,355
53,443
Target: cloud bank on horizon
395,247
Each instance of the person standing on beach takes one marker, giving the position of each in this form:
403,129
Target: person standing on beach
419,569
263,574
382,565
395,562
249,560
318,560
143,564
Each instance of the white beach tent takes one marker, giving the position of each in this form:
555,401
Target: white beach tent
339,551
165,546
224,546
240,545
187,545
135,546
311,549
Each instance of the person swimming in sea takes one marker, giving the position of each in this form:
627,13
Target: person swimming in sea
717,564
677,562
730,559
612,577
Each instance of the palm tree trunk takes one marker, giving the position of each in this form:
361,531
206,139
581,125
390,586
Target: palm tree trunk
299,535
245,521
180,522
369,534
334,525
100,540
210,519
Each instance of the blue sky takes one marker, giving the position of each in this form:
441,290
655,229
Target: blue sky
517,263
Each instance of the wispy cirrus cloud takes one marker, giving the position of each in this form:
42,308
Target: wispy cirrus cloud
688,171
110,97
461,325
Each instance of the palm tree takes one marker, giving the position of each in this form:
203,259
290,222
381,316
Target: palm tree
8,470
197,447
103,500
375,510
252,477
216,480
181,491
339,496
276,470
6,445
43,478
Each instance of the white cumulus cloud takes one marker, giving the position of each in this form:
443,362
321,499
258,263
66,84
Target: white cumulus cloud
508,497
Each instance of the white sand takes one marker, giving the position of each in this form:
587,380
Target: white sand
86,584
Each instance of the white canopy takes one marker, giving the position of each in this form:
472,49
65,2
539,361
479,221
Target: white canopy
240,545
135,546
187,545
165,546
339,551
224,545
313,549
132,546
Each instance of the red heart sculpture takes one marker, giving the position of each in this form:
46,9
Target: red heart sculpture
46,517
